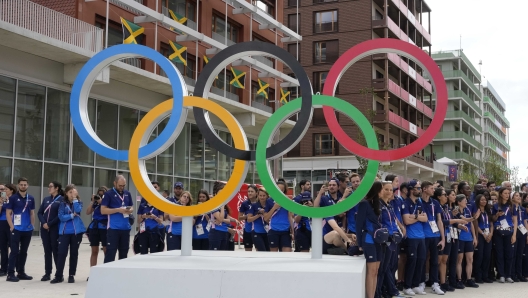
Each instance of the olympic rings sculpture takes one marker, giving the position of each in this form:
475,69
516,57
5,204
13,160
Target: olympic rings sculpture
177,109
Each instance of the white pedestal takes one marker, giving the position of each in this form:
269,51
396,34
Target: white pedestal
228,274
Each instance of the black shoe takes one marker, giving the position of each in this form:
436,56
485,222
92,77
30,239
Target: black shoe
428,283
399,286
521,279
450,288
471,284
444,287
479,281
488,280
3,273
57,280
46,277
12,278
339,251
23,276
87,278
71,280
459,285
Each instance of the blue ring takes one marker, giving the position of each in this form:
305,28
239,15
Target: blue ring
80,82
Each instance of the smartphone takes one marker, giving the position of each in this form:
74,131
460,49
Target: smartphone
3,194
127,207
148,213
349,184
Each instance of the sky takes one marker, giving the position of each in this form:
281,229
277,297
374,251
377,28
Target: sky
489,30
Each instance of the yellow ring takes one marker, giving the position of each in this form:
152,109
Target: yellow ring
232,185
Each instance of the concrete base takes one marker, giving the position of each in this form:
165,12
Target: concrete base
229,274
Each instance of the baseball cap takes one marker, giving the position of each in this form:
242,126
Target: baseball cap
411,184
178,184
306,195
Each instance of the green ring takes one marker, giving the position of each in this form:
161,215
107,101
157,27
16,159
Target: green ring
265,139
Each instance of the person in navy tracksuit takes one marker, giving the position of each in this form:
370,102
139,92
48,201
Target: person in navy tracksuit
97,228
5,234
118,205
522,226
71,231
504,218
466,245
260,226
484,229
20,214
200,230
150,221
48,215
174,230
244,211
303,227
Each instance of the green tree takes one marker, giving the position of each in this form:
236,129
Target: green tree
494,169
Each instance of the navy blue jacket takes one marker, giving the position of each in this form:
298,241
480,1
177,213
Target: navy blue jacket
365,213
50,215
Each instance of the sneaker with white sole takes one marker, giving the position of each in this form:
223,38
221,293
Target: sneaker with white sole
437,290
501,280
509,280
419,291
408,292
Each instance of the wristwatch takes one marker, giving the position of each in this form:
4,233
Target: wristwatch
416,216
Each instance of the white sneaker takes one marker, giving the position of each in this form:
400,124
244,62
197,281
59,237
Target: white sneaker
501,280
408,292
419,291
422,286
437,289
509,280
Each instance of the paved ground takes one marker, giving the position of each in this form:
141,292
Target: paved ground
36,288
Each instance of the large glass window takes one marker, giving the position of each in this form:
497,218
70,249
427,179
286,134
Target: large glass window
292,22
30,120
165,159
150,164
292,49
184,8
319,80
106,130
224,162
31,170
181,155
326,51
266,5
194,187
83,179
219,27
128,121
197,156
165,183
57,126
81,154
105,178
324,144
55,172
5,170
210,158
325,21
7,115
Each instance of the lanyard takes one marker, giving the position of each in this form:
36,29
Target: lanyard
49,206
122,198
27,201
446,213
467,211
485,216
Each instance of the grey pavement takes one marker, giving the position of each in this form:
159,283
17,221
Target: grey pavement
36,288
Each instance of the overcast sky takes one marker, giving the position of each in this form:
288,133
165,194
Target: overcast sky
494,32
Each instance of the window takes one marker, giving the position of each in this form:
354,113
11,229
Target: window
184,8
324,144
325,21
292,22
220,28
261,98
323,1
266,5
262,39
115,31
292,49
319,80
188,71
219,83
326,51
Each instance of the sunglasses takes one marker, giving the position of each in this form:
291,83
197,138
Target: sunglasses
417,188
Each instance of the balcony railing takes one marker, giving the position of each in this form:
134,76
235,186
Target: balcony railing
458,135
263,60
132,61
458,155
460,74
497,110
326,27
225,94
498,137
466,117
459,93
261,106
51,23
126,7
454,54
222,39
412,19
190,24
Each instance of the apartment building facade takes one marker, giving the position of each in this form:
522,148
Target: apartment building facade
389,88
45,43
495,126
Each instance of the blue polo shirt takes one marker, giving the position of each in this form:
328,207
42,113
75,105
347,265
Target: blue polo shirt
221,227
484,221
326,227
396,204
388,218
414,231
509,212
466,236
258,224
329,201
150,224
245,208
521,215
97,216
304,220
22,205
432,209
175,228
201,220
280,219
113,199
351,219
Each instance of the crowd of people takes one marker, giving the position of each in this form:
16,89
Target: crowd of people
413,235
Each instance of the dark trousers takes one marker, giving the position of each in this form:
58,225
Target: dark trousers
117,240
415,262
73,242
5,235
503,253
431,246
452,262
148,240
200,244
260,240
520,244
482,257
19,248
50,243
388,282
173,242
217,240
383,268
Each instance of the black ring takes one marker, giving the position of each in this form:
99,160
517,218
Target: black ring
255,48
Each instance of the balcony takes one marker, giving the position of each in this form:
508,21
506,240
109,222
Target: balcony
457,54
50,23
399,121
136,62
497,137
458,156
458,135
454,115
263,60
401,64
393,87
497,110
222,39
412,19
224,93
261,106
455,74
453,94
126,7
497,123
189,23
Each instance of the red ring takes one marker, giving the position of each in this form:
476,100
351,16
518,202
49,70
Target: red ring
386,45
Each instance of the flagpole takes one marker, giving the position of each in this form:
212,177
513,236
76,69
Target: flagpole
197,29
106,25
156,38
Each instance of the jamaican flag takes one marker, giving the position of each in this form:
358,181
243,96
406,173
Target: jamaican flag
131,31
285,96
178,18
263,88
239,78
179,55
205,61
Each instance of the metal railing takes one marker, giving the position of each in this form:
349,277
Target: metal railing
261,106
190,24
221,38
497,110
225,94
496,136
132,61
465,78
458,135
466,117
458,155
126,7
51,23
460,54
263,60
459,93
